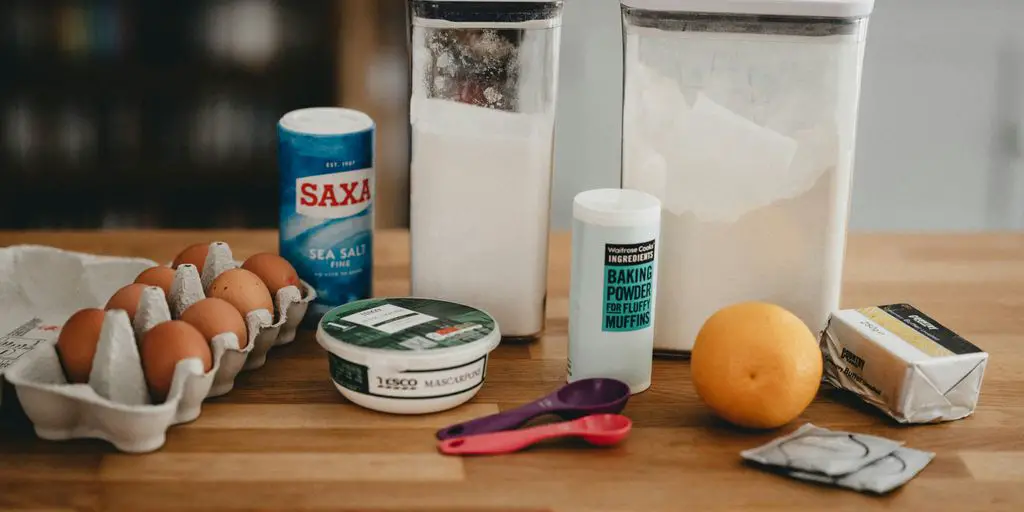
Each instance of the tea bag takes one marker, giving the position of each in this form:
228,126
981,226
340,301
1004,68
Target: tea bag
881,476
819,450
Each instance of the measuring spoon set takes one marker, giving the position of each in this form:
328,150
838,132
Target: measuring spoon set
592,407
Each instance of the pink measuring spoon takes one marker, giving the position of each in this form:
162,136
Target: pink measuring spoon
597,429
581,398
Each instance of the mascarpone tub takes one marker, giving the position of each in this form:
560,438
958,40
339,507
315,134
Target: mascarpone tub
407,355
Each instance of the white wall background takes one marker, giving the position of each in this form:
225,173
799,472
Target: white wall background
940,140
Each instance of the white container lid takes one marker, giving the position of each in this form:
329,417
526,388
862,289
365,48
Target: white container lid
803,8
326,121
407,333
616,207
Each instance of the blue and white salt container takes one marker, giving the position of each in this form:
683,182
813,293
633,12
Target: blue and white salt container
326,159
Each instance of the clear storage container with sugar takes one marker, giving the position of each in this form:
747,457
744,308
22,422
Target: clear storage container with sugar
484,82
740,115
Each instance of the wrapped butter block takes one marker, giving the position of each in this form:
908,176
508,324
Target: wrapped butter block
904,362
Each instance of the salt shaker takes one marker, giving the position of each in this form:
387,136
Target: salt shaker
613,286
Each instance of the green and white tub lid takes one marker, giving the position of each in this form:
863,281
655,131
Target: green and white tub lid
406,326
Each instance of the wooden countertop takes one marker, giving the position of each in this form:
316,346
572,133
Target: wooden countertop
284,438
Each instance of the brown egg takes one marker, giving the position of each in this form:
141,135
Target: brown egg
243,289
127,298
76,344
274,270
194,254
157,276
215,316
161,349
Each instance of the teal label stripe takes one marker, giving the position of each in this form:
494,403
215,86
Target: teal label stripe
628,287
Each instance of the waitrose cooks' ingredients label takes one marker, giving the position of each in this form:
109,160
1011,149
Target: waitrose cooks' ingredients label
628,282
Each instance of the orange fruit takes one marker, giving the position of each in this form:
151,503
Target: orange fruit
756,365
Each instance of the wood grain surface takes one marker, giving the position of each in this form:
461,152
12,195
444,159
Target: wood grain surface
285,439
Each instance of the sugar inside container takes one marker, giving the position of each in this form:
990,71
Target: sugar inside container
482,111
741,117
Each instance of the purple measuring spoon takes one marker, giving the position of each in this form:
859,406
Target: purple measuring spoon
580,398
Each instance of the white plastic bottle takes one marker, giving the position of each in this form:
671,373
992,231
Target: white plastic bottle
613,286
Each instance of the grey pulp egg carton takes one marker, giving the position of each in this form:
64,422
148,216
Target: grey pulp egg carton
291,304
115,405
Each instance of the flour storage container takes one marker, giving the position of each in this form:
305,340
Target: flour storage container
741,117
484,81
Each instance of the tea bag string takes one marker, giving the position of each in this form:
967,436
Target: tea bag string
895,456
789,458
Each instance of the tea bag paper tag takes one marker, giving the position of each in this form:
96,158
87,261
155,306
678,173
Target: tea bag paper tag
117,368
819,450
218,260
186,289
881,476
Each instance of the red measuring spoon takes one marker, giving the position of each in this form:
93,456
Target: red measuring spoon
597,429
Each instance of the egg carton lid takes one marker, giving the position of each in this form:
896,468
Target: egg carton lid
31,316
407,333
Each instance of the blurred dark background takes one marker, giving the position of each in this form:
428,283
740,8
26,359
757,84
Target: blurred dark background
162,113
113,113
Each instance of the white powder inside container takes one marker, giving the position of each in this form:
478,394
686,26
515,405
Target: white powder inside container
480,197
748,141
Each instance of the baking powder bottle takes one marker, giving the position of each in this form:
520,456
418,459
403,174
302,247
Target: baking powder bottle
614,275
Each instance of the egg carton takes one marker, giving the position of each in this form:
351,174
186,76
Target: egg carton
115,405
291,304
